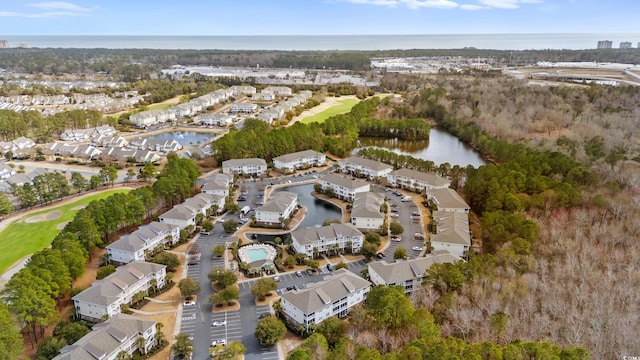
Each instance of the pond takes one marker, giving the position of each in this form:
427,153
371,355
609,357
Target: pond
185,138
442,147
317,210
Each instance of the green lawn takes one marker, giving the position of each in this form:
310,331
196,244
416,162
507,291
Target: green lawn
159,106
345,105
21,238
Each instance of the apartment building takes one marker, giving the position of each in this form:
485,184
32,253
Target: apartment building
322,240
342,187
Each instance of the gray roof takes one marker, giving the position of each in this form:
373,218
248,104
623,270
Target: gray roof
105,338
104,292
313,234
404,270
218,182
452,227
244,162
366,163
137,239
297,155
448,198
333,288
179,212
432,179
279,201
367,204
345,182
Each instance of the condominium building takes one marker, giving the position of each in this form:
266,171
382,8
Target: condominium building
136,245
342,187
251,166
605,44
452,232
322,240
279,207
408,273
365,212
447,199
416,180
105,297
299,160
218,185
107,340
361,167
333,296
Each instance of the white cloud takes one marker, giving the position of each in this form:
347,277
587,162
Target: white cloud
507,4
472,7
59,6
53,9
412,4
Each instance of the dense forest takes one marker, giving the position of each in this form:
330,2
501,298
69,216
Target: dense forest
558,249
131,64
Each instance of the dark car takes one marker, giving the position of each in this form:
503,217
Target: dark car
330,267
309,272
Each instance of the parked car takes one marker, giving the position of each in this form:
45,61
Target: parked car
380,255
189,303
219,323
276,278
395,238
394,215
309,272
221,342
298,274
330,267
204,232
418,236
417,248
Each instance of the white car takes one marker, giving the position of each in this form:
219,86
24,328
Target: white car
394,215
221,342
219,323
417,248
189,303
396,238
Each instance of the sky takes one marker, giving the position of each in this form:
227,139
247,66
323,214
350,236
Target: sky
315,17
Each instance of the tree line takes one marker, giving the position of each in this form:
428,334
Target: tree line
42,129
31,295
338,134
389,326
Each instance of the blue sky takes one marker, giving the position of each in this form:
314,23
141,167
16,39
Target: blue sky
315,17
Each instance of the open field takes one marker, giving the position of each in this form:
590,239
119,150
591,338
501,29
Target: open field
35,231
162,106
344,106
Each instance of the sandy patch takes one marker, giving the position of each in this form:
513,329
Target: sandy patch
62,225
53,215
34,219
49,216
79,207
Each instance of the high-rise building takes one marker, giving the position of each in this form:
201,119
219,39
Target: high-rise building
4,44
605,44
625,45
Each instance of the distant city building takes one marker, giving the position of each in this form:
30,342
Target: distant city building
605,44
625,45
4,44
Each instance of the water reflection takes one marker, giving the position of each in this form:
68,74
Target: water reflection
441,147
317,210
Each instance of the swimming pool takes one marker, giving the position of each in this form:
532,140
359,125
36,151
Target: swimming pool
257,254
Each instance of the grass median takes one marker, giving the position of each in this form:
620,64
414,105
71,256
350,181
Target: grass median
35,231
344,106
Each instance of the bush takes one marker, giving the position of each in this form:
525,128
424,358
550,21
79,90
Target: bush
105,271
